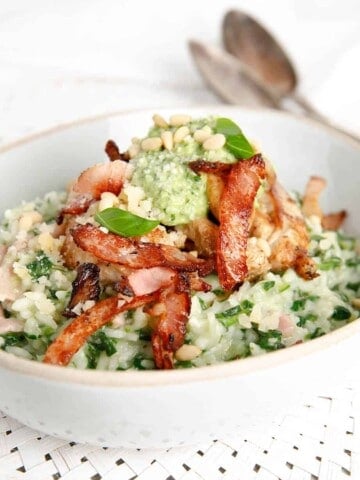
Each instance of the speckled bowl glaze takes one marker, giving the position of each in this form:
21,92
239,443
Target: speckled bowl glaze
165,408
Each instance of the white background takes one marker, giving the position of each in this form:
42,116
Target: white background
63,60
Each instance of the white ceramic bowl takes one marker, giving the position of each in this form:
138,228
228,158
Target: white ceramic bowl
164,408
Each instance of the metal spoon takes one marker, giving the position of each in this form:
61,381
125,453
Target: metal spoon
247,40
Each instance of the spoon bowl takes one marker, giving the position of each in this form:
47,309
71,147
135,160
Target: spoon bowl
246,39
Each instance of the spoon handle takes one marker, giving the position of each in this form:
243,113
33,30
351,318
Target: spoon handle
312,113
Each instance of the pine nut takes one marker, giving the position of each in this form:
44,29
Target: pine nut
180,134
214,142
201,135
167,139
179,120
134,149
151,143
187,352
108,200
355,302
159,121
28,219
136,140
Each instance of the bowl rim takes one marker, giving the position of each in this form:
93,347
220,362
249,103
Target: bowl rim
151,378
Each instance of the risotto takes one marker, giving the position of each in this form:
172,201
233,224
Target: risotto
181,252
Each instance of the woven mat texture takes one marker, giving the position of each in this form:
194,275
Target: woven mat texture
318,441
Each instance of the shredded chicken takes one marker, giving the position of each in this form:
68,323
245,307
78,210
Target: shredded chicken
204,235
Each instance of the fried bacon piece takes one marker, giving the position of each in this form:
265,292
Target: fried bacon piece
290,240
204,235
333,221
174,306
85,287
313,190
136,254
311,206
92,182
147,280
113,152
73,337
217,168
236,209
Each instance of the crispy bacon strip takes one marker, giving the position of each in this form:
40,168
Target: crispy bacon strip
236,208
113,152
333,221
135,254
169,333
85,287
92,182
216,168
313,190
217,173
73,337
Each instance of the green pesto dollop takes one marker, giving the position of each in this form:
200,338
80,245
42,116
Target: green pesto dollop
178,194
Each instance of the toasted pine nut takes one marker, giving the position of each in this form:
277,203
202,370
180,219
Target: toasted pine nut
179,120
134,149
28,219
201,135
159,121
180,134
108,200
151,143
46,241
355,302
187,352
214,142
136,140
167,139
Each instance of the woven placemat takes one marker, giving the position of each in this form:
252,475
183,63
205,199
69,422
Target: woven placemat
318,441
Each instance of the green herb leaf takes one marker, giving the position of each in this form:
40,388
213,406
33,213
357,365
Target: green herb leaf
40,267
268,285
125,223
353,262
230,316
270,340
353,286
310,317
330,263
13,339
102,342
341,313
318,332
346,242
236,142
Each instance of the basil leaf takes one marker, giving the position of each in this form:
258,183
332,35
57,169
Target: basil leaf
125,223
236,142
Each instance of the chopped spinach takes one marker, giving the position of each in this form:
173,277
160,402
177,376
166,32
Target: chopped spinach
268,285
310,317
229,317
103,343
346,242
353,262
330,263
353,286
13,339
270,340
137,362
341,313
39,267
315,334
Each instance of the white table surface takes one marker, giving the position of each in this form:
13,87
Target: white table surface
64,60
61,61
